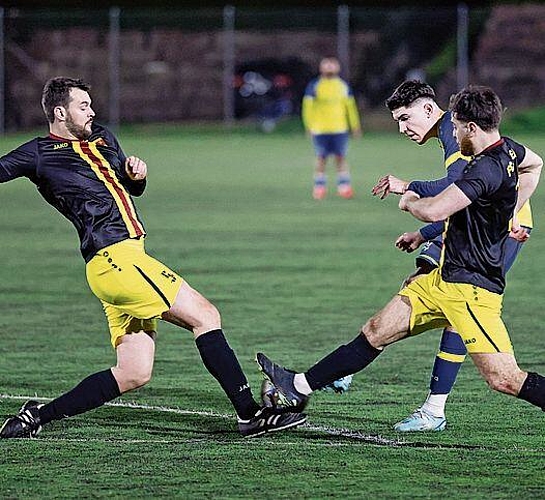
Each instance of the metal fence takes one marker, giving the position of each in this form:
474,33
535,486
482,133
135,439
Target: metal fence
232,63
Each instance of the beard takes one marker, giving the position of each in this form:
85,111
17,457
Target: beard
466,147
76,130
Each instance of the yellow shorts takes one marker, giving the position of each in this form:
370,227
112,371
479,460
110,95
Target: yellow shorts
134,288
474,312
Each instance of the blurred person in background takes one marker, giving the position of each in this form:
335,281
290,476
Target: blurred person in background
330,114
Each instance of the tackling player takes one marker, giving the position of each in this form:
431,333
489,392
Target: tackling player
81,170
329,114
419,117
466,290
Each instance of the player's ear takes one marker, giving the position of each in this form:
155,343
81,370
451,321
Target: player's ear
472,127
60,113
428,109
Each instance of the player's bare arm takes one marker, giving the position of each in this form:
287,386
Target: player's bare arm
136,169
437,208
389,184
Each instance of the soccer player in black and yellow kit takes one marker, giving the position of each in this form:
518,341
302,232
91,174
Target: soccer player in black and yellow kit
81,170
419,117
466,290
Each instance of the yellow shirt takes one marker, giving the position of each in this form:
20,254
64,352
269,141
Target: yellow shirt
329,107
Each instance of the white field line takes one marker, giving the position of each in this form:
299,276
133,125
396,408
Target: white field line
178,442
356,436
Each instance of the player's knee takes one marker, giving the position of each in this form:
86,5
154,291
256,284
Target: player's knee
210,317
371,331
137,378
502,382
207,319
133,377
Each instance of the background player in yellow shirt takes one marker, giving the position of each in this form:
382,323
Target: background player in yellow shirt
329,115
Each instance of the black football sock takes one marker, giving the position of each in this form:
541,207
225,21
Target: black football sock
90,393
221,362
533,390
345,360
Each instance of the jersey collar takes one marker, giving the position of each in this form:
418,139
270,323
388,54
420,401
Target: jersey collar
63,139
495,145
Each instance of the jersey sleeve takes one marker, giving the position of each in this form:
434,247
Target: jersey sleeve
480,179
519,150
431,231
20,162
352,111
308,104
426,189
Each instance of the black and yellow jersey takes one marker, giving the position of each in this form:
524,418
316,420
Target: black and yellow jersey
455,164
85,181
475,237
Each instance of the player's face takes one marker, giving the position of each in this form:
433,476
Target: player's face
329,68
79,114
463,134
415,120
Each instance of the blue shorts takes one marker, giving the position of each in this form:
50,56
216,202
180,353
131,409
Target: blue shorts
330,144
431,252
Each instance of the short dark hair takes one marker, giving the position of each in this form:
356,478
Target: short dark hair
478,104
56,92
408,92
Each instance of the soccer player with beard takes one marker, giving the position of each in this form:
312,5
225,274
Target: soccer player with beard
81,170
420,118
466,290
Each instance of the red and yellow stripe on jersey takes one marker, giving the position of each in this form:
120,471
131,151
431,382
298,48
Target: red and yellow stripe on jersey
89,152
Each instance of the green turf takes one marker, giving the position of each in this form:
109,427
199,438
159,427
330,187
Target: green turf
292,277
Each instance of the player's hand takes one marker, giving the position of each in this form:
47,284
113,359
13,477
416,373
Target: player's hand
407,198
409,242
136,168
518,232
356,133
389,184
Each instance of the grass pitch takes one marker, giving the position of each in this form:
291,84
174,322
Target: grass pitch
293,278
